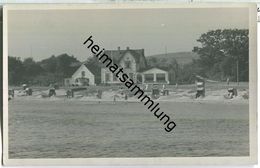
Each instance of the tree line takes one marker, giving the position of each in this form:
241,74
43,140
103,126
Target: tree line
223,54
42,73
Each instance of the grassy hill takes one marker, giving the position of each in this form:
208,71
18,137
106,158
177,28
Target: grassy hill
181,57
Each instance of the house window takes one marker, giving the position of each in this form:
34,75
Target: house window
160,77
127,64
148,77
107,77
83,74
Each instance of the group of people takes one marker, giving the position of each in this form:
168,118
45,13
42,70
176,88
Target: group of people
26,90
156,92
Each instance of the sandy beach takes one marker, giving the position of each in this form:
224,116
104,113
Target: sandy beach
184,93
84,126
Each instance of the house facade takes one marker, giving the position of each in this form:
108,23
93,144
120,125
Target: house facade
134,64
132,61
81,77
154,76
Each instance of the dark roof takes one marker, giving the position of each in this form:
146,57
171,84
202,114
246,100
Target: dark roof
91,70
75,67
117,55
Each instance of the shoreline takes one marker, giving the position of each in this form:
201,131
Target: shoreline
215,96
131,100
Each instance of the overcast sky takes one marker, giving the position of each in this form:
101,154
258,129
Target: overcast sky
40,34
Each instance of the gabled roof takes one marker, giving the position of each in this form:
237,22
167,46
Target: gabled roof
89,69
77,66
117,55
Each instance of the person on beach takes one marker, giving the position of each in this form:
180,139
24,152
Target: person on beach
52,92
28,91
114,98
126,97
10,94
121,91
69,93
146,87
99,94
227,81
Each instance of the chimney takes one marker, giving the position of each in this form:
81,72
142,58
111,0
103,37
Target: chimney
127,48
118,48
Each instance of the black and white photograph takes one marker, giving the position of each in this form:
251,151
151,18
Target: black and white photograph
126,84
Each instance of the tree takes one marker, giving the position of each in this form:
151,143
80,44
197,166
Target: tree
60,66
15,70
45,72
49,64
152,61
31,68
224,54
64,66
173,68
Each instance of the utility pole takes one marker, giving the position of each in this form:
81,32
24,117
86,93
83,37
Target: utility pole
166,51
238,71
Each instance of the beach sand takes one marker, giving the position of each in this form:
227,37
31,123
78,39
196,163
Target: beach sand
83,127
65,128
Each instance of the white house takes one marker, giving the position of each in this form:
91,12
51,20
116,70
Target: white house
134,64
81,77
132,60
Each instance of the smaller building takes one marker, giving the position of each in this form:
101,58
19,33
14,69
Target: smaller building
81,77
153,76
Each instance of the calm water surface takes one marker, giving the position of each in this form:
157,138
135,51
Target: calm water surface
73,129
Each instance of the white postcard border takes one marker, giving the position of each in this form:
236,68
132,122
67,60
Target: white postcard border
252,159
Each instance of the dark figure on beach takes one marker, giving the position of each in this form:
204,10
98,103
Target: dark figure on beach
10,94
69,93
200,82
227,81
28,91
121,91
72,93
155,92
99,94
126,97
231,93
115,99
199,93
24,86
52,92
